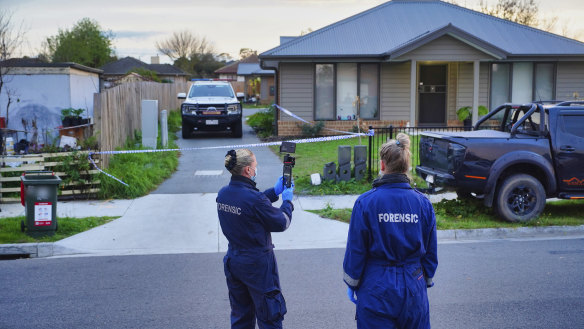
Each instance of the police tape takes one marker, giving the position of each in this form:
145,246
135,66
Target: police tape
310,123
297,141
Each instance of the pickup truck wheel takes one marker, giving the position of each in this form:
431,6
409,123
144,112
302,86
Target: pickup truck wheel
520,198
237,130
186,131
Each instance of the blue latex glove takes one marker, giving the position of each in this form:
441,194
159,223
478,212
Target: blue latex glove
279,187
351,294
288,192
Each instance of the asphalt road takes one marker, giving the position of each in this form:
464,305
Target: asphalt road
492,284
203,171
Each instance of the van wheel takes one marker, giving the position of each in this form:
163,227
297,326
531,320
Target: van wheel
186,131
237,130
520,198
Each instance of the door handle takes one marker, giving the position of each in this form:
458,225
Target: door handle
567,148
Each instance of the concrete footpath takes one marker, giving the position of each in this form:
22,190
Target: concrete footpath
188,223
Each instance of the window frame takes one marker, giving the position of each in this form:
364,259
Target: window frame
335,86
533,82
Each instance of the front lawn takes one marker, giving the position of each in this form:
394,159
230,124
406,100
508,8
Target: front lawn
471,214
311,158
10,228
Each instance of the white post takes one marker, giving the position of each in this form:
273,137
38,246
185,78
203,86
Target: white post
475,92
164,128
149,123
413,92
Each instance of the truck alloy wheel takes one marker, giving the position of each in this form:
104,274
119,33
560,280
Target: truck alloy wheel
520,198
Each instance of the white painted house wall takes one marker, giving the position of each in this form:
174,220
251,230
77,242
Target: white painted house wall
43,93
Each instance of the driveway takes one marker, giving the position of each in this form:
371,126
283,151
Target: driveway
203,171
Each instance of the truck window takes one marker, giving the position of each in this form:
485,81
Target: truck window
573,124
211,91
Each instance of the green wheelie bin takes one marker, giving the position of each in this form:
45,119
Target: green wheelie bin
38,194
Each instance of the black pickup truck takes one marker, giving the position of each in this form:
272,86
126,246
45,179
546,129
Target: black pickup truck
515,157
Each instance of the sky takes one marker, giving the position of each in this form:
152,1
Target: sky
229,24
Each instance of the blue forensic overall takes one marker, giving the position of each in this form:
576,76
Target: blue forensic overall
247,217
391,250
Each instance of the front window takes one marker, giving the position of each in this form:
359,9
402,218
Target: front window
325,91
346,91
522,82
211,91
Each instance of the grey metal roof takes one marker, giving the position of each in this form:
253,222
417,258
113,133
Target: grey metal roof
35,62
389,28
124,65
252,69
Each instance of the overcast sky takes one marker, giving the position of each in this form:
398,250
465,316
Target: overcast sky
229,24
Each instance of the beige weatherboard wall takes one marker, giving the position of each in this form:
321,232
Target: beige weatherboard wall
467,76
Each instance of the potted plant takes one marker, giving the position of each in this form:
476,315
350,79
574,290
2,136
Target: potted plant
77,117
464,115
67,117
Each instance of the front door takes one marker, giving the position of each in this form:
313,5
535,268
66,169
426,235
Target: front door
432,95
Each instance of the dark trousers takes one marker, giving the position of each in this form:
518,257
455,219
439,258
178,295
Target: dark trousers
254,289
393,297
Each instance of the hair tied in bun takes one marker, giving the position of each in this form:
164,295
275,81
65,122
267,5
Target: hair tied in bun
232,160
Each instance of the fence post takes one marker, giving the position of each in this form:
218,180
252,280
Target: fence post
391,132
370,155
164,128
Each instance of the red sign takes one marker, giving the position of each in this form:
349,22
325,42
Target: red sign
43,213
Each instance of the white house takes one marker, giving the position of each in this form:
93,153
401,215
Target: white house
39,91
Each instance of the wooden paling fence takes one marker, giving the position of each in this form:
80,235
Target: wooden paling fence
117,111
10,174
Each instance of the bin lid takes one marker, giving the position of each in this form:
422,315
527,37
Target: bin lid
40,180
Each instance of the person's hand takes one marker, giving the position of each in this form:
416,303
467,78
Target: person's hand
287,194
429,283
351,294
279,187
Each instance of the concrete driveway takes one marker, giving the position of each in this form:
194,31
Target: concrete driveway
203,171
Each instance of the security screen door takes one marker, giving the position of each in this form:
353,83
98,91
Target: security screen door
432,95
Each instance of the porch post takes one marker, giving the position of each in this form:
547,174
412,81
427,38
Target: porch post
413,92
475,93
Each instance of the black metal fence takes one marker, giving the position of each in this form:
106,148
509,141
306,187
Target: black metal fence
384,134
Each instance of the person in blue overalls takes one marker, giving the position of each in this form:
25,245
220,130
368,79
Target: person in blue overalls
391,254
247,217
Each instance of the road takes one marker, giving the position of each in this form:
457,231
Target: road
203,171
491,284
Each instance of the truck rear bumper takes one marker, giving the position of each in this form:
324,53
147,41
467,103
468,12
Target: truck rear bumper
435,177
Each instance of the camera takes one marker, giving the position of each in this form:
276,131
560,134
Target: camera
289,161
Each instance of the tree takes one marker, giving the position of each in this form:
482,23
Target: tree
191,53
520,11
246,52
526,12
86,43
184,44
10,39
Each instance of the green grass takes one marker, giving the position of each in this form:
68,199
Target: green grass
471,214
10,228
311,158
253,106
143,172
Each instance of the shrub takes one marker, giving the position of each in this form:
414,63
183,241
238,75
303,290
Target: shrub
310,130
262,122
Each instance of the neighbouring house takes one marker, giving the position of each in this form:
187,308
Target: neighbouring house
229,72
258,82
115,73
416,62
38,91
